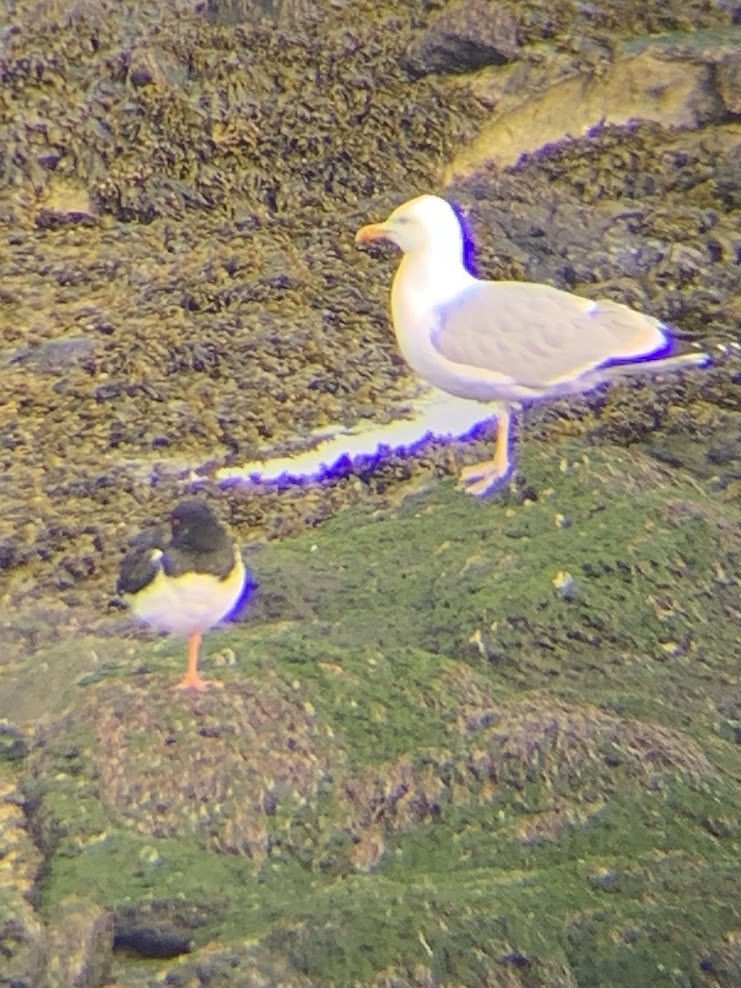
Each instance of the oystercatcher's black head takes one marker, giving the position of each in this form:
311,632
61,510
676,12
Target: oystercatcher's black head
196,527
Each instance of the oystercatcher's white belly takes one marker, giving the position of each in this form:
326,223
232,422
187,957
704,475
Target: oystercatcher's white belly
188,604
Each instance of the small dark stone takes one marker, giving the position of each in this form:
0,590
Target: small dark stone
50,160
8,550
607,883
53,219
518,960
80,567
567,276
141,75
108,391
724,453
146,941
516,532
666,456
211,731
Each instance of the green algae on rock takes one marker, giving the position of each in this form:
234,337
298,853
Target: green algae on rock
372,793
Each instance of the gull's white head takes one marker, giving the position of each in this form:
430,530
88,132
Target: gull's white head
420,224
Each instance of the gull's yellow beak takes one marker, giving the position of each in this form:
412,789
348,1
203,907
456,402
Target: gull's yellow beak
374,231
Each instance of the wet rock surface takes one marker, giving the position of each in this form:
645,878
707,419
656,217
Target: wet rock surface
441,718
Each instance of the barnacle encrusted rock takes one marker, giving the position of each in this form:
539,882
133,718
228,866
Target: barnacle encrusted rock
215,770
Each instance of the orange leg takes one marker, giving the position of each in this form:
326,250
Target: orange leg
192,679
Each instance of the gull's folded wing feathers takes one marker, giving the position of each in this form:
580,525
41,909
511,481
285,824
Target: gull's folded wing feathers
538,335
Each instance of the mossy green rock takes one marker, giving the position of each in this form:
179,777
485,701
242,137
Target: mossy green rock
427,761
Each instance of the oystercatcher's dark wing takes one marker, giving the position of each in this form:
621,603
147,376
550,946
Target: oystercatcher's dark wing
142,562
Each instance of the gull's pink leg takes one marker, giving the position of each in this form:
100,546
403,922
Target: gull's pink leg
482,478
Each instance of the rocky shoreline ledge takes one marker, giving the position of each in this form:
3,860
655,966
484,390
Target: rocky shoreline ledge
428,765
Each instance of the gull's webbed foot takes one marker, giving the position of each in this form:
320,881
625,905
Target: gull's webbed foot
483,478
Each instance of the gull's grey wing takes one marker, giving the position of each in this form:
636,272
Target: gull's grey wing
142,562
540,336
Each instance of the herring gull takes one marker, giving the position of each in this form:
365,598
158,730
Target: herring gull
504,341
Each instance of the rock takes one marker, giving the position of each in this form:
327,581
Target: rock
151,942
55,356
729,81
466,36
21,945
152,65
65,202
728,179
257,742
8,552
109,391
724,963
733,7
247,11
80,946
652,86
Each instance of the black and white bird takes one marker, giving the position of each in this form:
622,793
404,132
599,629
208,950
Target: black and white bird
184,578
504,342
